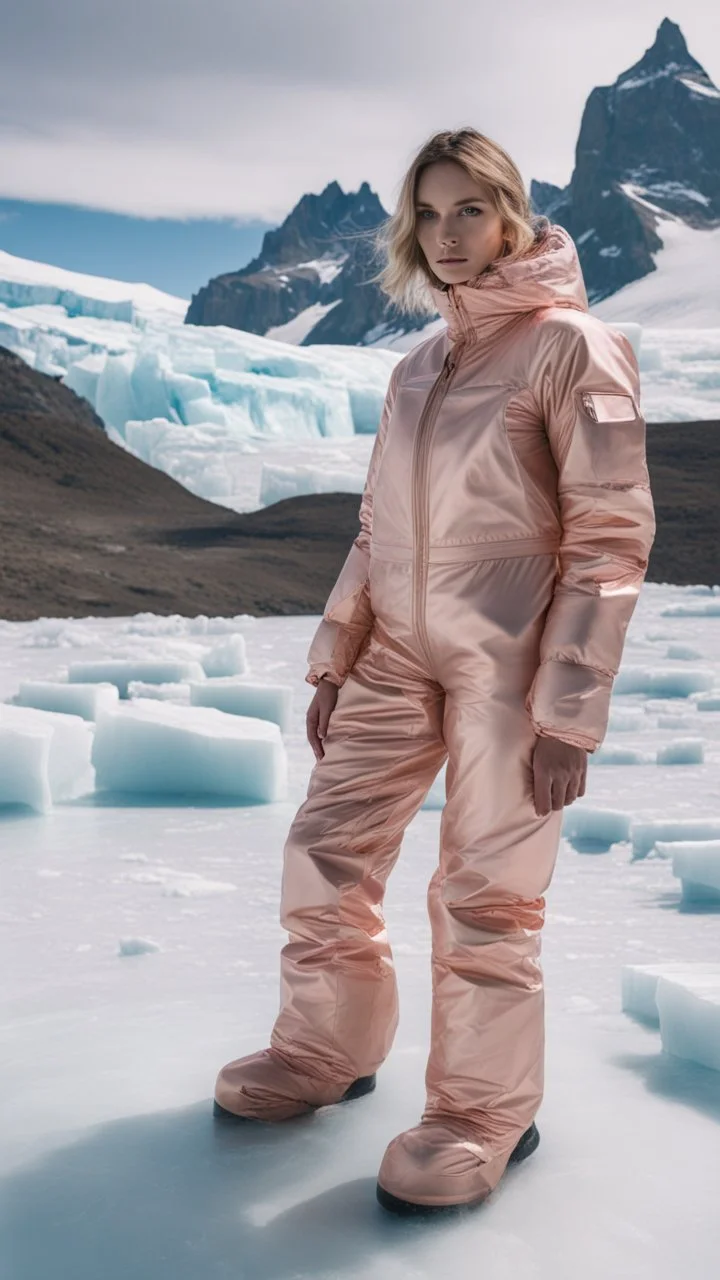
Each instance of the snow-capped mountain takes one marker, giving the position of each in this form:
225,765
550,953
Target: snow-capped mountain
308,283
647,163
647,168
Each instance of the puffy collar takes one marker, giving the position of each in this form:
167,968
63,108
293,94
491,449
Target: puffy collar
547,275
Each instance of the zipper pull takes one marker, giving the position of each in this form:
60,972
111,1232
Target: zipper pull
589,405
452,357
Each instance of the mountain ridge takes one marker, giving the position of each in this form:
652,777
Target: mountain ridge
648,150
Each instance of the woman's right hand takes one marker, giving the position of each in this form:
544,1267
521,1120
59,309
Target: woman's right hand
318,714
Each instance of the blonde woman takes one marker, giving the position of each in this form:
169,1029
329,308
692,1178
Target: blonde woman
479,619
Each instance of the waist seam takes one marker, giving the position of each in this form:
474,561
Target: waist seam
470,551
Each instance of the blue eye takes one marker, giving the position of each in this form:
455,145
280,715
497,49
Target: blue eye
472,208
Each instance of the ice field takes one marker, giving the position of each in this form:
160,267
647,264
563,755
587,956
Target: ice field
244,420
141,952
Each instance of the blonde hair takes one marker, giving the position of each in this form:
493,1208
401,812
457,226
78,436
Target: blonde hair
406,274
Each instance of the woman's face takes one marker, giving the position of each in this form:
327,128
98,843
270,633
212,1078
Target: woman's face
454,219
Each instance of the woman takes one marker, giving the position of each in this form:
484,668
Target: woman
479,619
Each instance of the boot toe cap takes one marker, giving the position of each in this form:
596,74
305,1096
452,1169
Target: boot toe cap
433,1166
258,1087
261,1086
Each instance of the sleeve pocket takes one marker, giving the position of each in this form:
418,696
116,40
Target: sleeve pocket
605,406
608,441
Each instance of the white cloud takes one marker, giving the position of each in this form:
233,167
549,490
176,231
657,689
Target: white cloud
166,107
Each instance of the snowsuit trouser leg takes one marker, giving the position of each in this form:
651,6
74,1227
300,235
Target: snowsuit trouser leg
339,1002
383,750
486,909
484,1076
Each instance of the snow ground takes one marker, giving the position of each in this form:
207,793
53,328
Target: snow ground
112,1164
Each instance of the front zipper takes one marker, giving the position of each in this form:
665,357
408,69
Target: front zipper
421,497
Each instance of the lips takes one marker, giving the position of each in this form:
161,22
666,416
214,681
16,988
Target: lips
451,260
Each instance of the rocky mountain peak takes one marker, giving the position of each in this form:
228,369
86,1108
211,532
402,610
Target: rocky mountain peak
312,262
318,225
667,55
648,151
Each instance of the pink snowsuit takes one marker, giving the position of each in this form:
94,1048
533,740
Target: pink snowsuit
506,523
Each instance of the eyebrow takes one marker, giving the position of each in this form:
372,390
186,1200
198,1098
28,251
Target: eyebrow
470,200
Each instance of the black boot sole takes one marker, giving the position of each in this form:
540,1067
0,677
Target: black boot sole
528,1143
358,1089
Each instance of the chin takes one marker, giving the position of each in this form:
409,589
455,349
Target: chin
469,270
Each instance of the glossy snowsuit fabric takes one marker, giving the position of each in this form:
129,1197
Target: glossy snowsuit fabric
505,527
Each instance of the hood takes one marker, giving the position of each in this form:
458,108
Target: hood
547,275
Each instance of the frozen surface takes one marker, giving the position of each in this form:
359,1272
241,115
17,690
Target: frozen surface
616,753
45,756
244,420
682,751
697,864
74,699
140,949
240,698
653,833
693,609
689,1010
640,983
592,830
683,999
226,658
278,482
120,671
160,749
664,682
708,702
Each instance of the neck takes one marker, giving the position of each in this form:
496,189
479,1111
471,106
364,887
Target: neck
548,275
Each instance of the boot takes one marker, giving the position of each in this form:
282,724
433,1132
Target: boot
263,1086
440,1171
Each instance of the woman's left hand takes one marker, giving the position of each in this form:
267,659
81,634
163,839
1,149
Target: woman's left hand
559,774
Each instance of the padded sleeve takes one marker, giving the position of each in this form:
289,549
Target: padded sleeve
588,388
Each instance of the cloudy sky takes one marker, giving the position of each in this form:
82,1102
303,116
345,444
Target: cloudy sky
188,108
